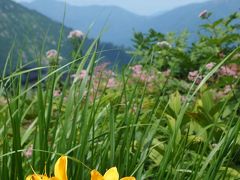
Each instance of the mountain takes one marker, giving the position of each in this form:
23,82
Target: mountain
158,13
121,24
30,32
186,17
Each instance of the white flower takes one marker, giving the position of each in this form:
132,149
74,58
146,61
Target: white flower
76,34
164,44
204,14
51,54
53,57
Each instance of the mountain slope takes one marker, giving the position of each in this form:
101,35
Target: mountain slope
186,17
30,32
121,24
25,29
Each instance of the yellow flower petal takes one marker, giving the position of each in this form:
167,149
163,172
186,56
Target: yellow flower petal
95,175
128,178
60,169
37,177
111,174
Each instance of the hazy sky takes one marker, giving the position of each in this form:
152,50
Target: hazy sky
137,6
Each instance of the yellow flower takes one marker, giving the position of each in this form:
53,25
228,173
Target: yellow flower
60,171
111,174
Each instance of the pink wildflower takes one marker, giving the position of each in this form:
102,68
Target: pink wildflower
229,70
109,73
100,68
76,34
28,152
51,54
147,78
204,14
111,83
143,77
80,76
57,93
210,65
194,76
137,69
138,73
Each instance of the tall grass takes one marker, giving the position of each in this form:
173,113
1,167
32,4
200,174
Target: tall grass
140,134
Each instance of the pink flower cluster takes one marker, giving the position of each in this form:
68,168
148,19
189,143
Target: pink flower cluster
210,65
52,54
101,68
111,83
80,76
105,77
226,70
76,34
139,74
137,69
57,93
229,70
28,152
195,76
204,14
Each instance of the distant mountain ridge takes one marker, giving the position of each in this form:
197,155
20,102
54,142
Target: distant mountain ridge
187,16
31,32
121,24
117,20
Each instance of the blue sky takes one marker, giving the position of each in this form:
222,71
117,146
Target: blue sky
144,7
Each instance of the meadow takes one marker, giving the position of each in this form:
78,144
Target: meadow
171,113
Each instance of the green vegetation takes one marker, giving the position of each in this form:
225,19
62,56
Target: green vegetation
172,113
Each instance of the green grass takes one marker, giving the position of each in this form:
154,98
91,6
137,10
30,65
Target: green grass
146,135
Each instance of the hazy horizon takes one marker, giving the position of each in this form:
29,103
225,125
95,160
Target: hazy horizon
140,7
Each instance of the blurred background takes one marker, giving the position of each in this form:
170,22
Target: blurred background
28,24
